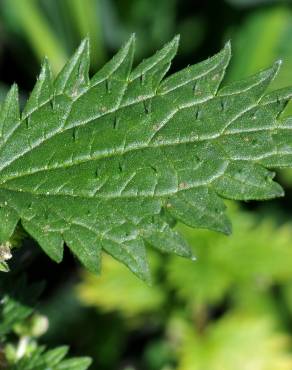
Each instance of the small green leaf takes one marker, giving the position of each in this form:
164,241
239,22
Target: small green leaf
101,291
17,317
4,267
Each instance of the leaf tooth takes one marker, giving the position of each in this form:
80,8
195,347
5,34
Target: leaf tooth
191,78
41,92
122,60
11,100
74,74
280,95
84,244
162,57
200,207
9,219
254,85
271,73
50,242
10,112
173,44
247,181
129,46
168,240
227,48
131,253
146,77
132,39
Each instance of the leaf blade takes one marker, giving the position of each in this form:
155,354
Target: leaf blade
97,163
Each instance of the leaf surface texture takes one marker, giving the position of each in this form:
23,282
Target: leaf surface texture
108,163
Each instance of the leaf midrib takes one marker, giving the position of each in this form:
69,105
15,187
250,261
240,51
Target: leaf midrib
142,195
147,145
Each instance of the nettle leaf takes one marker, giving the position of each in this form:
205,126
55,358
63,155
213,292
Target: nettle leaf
108,163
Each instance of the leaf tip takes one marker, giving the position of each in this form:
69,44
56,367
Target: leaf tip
13,97
129,46
227,229
227,50
85,42
224,226
276,67
45,61
175,41
227,46
94,268
132,40
270,73
14,89
45,68
174,44
57,258
145,276
84,47
132,36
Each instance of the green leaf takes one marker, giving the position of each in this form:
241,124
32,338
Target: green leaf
235,342
16,305
16,309
105,163
4,267
101,291
53,359
258,255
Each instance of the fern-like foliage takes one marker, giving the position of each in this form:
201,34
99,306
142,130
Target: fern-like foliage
16,318
108,163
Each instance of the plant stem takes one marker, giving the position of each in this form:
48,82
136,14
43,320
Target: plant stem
87,19
37,29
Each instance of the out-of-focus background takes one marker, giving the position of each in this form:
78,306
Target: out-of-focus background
232,308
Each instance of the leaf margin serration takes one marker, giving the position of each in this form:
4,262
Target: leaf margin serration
48,91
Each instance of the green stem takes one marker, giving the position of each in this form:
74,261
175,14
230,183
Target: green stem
87,18
37,29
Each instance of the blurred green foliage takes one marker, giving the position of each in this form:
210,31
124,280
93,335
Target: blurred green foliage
254,3
220,312
232,308
20,327
54,28
116,288
270,30
235,342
